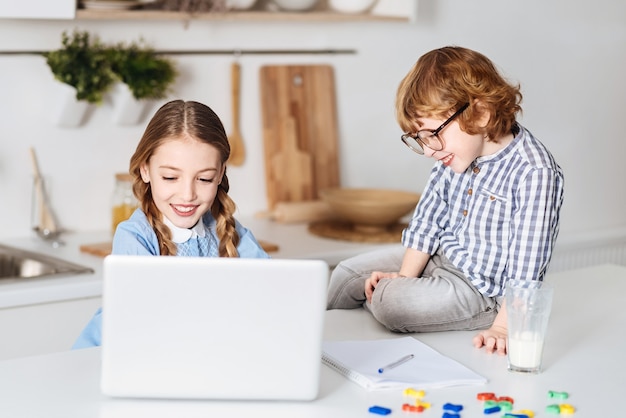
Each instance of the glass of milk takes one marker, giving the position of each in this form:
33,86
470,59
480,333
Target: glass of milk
528,305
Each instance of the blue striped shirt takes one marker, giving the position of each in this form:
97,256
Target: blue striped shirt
496,221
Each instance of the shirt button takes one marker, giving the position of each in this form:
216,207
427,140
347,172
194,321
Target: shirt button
465,213
476,170
470,191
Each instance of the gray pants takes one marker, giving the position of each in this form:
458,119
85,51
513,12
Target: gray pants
443,299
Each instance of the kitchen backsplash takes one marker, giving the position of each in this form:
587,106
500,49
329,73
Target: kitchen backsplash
549,58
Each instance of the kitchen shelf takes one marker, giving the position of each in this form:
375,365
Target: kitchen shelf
259,16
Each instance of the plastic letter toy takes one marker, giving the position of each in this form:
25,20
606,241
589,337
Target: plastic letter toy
414,393
450,415
489,403
424,405
486,396
412,408
553,409
492,410
452,407
380,410
558,395
505,405
567,409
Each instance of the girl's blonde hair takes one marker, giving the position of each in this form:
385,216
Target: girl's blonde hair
443,80
180,119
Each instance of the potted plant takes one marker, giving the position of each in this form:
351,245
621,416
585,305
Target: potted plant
83,65
145,76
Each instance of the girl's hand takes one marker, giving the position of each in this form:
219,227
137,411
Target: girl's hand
370,284
493,339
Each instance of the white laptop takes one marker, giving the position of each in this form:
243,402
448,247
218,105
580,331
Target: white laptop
212,328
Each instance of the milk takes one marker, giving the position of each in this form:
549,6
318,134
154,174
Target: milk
525,352
528,305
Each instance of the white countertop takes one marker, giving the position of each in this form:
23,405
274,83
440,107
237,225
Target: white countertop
293,240
583,356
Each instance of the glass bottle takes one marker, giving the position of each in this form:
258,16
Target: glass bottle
124,201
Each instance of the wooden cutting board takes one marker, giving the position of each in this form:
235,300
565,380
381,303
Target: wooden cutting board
300,131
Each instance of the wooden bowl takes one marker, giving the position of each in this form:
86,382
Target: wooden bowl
370,210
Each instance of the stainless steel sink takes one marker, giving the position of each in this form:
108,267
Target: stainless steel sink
19,264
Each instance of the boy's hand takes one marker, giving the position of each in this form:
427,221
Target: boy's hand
493,339
370,284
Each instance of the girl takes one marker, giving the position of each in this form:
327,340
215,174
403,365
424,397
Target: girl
179,171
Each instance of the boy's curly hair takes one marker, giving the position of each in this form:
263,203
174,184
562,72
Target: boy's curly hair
443,80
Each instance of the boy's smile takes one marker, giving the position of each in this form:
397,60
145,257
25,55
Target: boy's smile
447,159
460,149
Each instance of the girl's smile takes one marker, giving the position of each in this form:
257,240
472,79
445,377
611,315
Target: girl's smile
185,210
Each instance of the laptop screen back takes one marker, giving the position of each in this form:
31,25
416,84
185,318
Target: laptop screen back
216,328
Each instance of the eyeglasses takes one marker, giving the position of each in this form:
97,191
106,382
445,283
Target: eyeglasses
428,137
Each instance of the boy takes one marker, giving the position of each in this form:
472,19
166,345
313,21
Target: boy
489,212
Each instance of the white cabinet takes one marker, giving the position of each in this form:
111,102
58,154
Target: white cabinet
45,328
38,9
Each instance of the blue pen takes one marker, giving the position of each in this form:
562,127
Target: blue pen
396,363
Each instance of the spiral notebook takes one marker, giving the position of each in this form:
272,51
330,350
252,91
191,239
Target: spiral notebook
360,361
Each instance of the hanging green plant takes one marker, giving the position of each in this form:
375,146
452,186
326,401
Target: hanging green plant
82,63
147,75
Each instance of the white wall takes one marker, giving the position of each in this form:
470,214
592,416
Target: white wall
569,56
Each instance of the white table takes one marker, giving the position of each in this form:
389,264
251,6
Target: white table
584,356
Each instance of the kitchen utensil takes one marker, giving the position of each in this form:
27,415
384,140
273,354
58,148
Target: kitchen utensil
113,4
46,226
370,210
305,94
345,231
295,212
240,4
295,5
351,6
237,151
292,166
